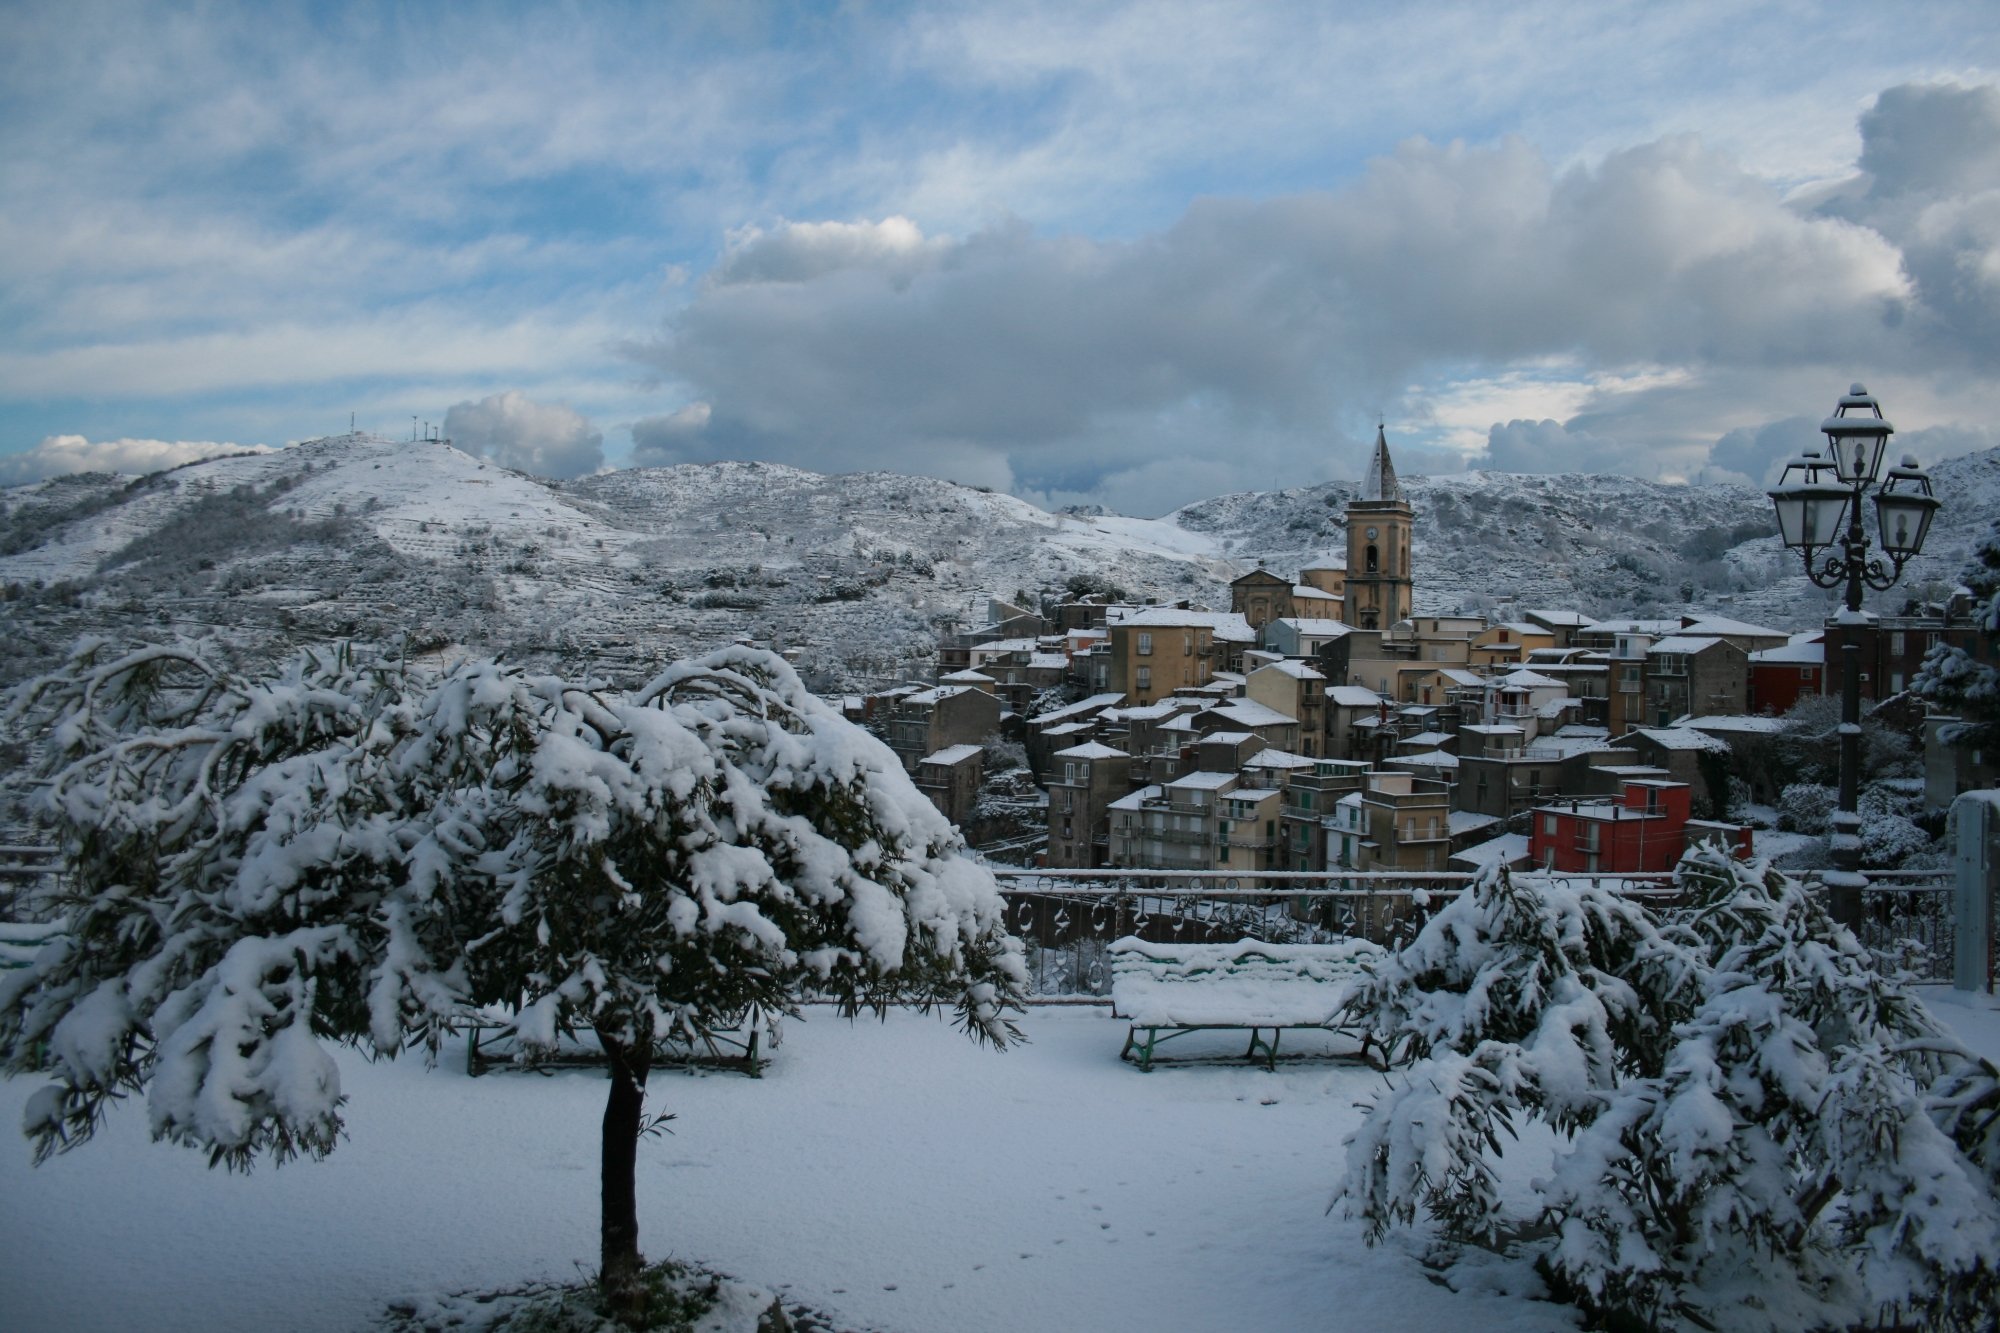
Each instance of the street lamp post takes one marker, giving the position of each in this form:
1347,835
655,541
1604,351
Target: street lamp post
1818,504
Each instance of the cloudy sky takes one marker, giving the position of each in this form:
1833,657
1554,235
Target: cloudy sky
1125,254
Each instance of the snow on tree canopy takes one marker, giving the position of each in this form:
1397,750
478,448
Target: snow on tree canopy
1756,1126
342,853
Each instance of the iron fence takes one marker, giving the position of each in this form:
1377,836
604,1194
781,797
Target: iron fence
1068,918
1907,920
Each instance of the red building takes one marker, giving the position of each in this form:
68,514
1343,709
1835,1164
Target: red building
1780,677
1644,833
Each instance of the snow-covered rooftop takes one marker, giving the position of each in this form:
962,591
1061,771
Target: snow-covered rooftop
1095,703
1294,668
1091,750
1508,849
1269,758
1353,696
1427,759
1314,627
939,694
952,755
1723,627
1166,707
1133,800
1250,713
1683,738
1630,626
1740,724
998,646
1226,625
1684,644
1799,652
1204,781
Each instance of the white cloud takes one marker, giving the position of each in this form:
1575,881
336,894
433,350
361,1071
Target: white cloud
803,251
1756,455
221,208
674,438
1545,446
1618,317
60,455
545,439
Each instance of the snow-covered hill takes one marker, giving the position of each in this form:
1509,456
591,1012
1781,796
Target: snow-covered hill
357,536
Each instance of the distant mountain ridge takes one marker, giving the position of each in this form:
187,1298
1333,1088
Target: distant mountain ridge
359,536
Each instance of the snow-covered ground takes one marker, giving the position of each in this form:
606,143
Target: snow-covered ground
891,1173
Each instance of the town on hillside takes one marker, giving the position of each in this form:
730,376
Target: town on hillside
1320,724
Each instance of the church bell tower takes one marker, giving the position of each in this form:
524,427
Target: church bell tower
1378,547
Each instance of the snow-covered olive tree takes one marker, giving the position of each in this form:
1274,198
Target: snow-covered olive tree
1754,1126
342,854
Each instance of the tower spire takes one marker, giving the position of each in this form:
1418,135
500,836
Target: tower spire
1380,483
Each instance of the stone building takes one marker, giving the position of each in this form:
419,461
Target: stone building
1083,782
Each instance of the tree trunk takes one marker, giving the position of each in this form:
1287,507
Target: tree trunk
620,1266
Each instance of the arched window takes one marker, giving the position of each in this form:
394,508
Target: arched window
1374,560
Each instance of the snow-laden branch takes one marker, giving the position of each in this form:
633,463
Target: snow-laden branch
343,854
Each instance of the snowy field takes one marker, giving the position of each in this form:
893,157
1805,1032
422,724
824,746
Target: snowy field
892,1174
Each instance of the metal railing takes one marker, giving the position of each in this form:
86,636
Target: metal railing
1068,918
1907,920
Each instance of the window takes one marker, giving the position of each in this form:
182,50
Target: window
1069,772
1549,825
1145,645
1374,560
1145,681
1896,643
1187,643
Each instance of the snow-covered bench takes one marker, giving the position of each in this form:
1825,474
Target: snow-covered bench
1169,990
494,1044
20,941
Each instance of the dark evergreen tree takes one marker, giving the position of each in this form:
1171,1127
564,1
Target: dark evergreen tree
1953,679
